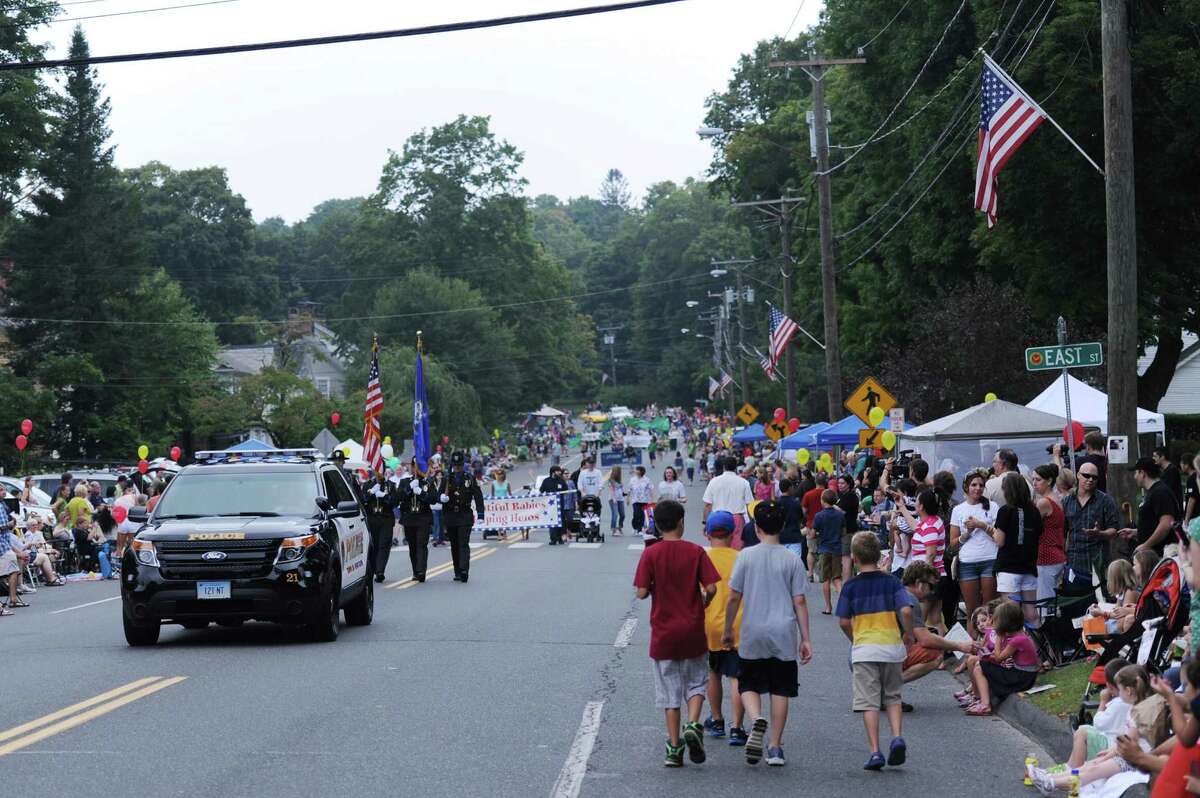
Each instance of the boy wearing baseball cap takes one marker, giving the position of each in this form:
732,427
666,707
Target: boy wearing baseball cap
722,660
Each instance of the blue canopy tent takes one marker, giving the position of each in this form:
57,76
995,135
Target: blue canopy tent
805,437
843,433
751,434
250,445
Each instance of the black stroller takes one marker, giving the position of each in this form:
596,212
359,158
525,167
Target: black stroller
586,525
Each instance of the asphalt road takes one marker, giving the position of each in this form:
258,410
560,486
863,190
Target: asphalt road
531,680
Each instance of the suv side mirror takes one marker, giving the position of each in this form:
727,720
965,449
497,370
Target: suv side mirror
138,515
323,504
347,509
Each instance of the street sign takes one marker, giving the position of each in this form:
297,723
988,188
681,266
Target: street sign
1068,356
896,420
747,414
325,442
775,430
867,396
870,438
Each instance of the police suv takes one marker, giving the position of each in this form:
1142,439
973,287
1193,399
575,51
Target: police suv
274,536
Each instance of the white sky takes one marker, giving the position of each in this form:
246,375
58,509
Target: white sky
296,127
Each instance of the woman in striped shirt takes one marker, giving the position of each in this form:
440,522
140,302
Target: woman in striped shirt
929,544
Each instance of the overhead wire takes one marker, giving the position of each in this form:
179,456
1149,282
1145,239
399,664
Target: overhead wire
135,12
788,32
862,47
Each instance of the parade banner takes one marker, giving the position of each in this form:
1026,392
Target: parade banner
530,511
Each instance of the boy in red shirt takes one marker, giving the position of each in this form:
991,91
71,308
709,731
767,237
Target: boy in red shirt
673,571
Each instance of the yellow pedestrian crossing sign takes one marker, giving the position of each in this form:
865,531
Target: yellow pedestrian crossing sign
867,397
747,414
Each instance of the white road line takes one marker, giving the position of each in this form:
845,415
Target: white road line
570,778
478,545
625,634
636,547
584,545
89,604
526,545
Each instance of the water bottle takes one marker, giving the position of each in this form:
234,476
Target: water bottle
1074,793
1031,761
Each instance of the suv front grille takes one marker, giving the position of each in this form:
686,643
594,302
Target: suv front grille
244,559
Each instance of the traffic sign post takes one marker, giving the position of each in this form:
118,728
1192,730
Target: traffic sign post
896,420
1065,356
870,438
747,414
774,430
867,397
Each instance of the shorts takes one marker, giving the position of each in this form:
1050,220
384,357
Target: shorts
1048,578
1015,583
724,663
846,538
919,655
677,680
9,564
1097,741
974,571
775,676
877,685
829,566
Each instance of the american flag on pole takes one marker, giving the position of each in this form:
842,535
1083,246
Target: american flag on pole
783,330
1006,118
767,366
726,381
372,440
713,387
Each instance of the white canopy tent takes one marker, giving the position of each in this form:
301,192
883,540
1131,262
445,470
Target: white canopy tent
1089,407
546,411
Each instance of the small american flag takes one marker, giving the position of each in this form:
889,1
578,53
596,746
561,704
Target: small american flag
713,387
726,381
767,366
1006,118
783,330
372,440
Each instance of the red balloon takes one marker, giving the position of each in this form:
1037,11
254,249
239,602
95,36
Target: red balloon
22,442
143,466
793,424
780,414
1079,432
119,514
176,452
26,427
335,418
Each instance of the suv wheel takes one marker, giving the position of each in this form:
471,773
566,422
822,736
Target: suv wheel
138,634
361,611
324,626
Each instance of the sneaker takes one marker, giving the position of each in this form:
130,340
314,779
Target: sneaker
1044,783
898,752
693,737
876,762
674,757
714,728
754,743
905,706
775,757
737,736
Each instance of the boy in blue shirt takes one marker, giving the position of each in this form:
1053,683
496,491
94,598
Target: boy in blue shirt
829,525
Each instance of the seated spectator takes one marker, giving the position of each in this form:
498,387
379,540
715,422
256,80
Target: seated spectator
37,552
1110,720
927,652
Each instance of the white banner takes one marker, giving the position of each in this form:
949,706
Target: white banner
638,441
520,512
590,437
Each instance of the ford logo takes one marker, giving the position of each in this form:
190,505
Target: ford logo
213,555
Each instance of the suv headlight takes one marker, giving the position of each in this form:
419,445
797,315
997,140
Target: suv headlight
144,551
292,549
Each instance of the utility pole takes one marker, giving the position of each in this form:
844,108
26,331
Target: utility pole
610,340
1121,239
742,298
780,210
816,68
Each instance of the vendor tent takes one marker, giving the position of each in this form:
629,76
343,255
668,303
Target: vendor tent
750,434
1089,406
250,445
969,438
805,437
353,450
843,433
546,411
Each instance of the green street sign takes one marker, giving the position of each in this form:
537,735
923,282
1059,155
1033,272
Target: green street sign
1068,356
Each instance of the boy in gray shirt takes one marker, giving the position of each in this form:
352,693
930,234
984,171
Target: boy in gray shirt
772,581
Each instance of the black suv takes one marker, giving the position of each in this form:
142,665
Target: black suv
274,536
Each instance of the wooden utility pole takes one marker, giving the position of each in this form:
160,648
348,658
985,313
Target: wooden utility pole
1122,240
816,68
737,265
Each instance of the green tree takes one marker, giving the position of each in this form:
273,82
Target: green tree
24,101
287,406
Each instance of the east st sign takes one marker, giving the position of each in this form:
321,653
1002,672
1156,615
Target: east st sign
1069,356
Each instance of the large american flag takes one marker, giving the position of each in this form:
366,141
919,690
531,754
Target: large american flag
372,440
1006,118
783,330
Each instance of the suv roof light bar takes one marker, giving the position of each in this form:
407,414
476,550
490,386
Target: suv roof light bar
261,455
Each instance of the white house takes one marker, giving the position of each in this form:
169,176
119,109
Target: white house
1183,395
313,351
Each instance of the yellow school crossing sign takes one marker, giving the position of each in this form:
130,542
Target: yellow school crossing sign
867,397
747,414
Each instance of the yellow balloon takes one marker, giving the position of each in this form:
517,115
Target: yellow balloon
346,450
889,439
876,416
825,457
803,456
143,451
827,466
991,397
387,439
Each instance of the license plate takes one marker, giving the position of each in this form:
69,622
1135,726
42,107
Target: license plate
213,590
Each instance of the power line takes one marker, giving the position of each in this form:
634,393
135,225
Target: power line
142,11
426,30
788,32
883,30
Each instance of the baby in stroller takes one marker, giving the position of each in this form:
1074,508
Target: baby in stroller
588,519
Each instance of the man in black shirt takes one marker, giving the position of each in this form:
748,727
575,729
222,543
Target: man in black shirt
1094,443
1191,491
1158,511
1170,474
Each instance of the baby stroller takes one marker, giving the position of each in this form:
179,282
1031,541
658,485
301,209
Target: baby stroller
1161,613
587,520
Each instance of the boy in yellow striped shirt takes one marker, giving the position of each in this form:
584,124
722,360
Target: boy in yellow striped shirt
722,661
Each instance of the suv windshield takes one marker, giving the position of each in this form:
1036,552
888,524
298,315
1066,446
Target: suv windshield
200,494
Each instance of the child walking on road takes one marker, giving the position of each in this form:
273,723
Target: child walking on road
874,611
722,660
772,582
674,571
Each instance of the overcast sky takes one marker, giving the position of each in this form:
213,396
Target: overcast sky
296,127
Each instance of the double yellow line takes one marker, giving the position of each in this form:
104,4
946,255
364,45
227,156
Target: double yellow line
35,731
437,570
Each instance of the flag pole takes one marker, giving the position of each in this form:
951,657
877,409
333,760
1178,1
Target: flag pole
1040,109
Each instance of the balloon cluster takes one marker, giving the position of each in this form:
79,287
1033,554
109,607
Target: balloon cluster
22,440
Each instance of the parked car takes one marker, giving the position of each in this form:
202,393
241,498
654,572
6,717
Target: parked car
49,483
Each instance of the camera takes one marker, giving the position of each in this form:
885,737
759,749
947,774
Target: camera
901,464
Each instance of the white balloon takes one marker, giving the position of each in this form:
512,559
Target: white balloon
387,451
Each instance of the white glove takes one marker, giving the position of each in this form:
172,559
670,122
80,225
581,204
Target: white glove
415,485
444,498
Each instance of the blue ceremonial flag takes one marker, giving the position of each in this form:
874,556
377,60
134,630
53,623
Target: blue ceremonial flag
422,450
